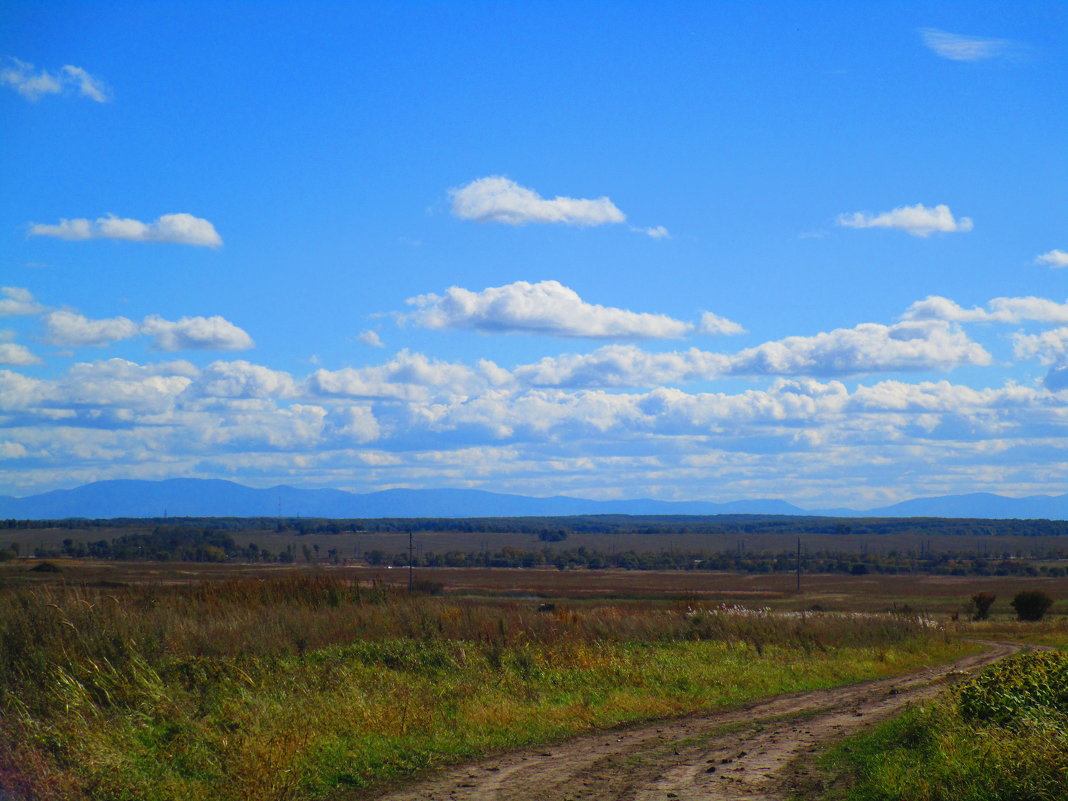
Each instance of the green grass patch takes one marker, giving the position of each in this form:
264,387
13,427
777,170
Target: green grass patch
1001,736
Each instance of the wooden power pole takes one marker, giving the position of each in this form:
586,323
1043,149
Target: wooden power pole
411,564
798,565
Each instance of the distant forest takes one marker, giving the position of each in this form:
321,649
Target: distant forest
212,540
587,524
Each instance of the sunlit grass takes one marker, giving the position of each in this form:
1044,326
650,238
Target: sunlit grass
300,687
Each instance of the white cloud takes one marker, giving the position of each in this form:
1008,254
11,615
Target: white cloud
1051,347
121,384
498,199
196,333
242,379
918,220
408,376
999,310
70,329
1053,258
182,229
21,77
18,301
11,353
357,423
957,47
714,325
867,348
371,338
623,366
656,232
546,307
87,85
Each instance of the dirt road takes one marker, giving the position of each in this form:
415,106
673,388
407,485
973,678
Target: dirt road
750,753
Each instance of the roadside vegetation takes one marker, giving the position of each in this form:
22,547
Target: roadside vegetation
1000,735
307,686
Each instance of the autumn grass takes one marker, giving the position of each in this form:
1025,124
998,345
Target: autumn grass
306,686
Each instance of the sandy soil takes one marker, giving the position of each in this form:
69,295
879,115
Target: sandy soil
753,753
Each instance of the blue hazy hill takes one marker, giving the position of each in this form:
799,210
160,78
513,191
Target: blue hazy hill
189,497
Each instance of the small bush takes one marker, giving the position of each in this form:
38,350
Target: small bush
981,603
46,567
1031,604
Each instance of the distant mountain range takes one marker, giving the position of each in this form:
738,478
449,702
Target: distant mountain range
189,497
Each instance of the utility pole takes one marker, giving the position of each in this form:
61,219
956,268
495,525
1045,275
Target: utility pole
411,566
798,565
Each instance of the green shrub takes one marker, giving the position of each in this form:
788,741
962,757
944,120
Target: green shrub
981,603
1031,604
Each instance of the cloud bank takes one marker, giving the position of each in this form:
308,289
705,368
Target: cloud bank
998,310
182,229
67,328
867,348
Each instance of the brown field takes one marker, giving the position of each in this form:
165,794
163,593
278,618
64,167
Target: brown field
942,595
350,544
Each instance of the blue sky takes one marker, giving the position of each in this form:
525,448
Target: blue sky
812,251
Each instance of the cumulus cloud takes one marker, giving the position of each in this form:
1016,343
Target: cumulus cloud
182,229
501,200
918,220
408,376
14,354
357,423
196,333
1053,258
1049,347
70,329
18,301
867,348
242,379
546,307
998,310
713,324
32,84
371,338
623,366
957,47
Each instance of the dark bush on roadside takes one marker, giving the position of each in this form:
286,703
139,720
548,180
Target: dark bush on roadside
46,567
1031,604
981,603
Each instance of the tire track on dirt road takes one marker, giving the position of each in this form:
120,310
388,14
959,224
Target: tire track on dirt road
749,753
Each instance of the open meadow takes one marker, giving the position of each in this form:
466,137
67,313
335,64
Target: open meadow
144,680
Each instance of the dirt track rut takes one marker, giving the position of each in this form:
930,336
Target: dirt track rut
750,753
